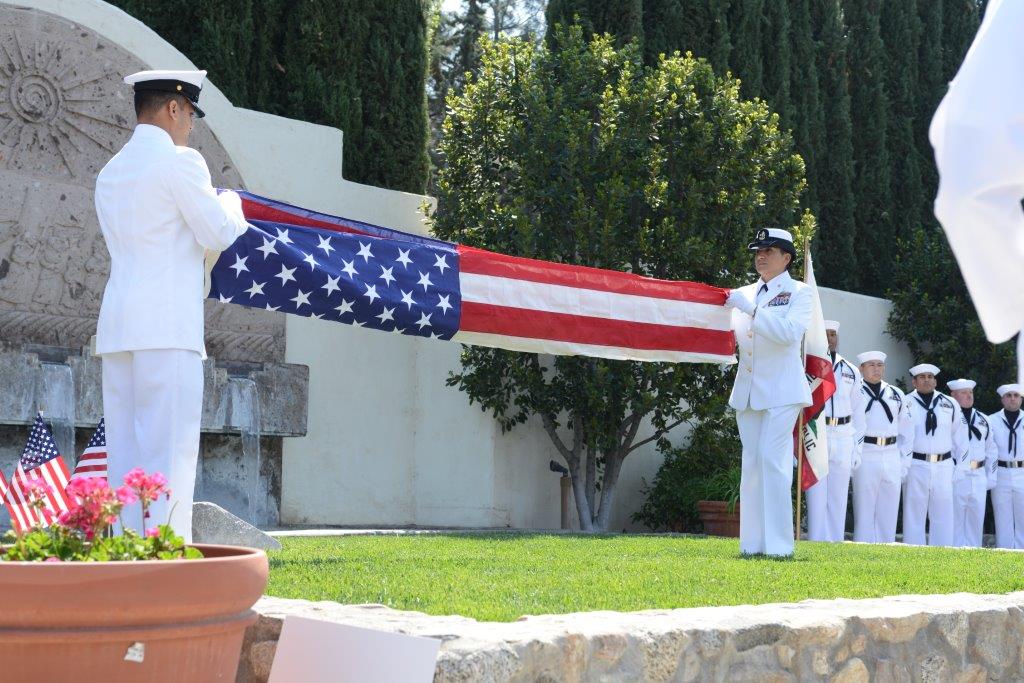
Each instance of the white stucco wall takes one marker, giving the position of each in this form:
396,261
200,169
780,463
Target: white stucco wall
388,443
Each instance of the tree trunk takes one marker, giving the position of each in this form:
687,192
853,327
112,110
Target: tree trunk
579,494
609,483
591,477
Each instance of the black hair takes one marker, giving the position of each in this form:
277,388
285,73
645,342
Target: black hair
149,101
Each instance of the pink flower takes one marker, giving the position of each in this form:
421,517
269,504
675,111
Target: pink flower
53,559
148,487
93,506
126,495
153,533
37,491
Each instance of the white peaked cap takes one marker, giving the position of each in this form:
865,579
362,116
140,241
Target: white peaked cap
193,77
871,355
832,325
1007,388
961,383
923,367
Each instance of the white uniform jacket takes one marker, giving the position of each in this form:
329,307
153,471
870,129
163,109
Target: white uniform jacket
848,401
1007,437
158,212
880,423
770,372
949,435
981,447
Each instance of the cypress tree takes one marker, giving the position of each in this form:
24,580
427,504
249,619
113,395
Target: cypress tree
745,59
359,66
467,57
837,229
808,115
775,58
869,110
901,30
931,88
700,27
621,18
960,20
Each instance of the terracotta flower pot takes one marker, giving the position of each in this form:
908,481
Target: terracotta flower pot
717,519
65,621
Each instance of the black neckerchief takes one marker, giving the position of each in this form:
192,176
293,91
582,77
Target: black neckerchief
931,422
1011,420
875,394
974,431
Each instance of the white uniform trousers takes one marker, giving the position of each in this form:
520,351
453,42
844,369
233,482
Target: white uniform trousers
969,508
826,500
152,403
1008,506
929,495
766,505
876,496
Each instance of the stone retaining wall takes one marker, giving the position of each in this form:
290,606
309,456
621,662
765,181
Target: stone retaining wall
959,638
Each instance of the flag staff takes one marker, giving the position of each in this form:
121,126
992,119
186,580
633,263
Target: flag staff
798,441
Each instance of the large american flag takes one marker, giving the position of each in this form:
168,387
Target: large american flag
93,462
40,461
312,264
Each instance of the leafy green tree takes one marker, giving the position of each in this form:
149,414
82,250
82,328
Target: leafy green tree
578,153
933,314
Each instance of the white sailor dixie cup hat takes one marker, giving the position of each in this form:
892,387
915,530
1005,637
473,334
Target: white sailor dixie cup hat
773,237
923,367
832,325
870,356
961,383
1007,388
188,84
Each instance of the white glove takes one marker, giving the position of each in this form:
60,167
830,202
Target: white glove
855,461
738,301
231,202
904,467
209,261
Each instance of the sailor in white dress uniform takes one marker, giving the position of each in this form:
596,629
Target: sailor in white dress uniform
1008,483
876,483
978,474
934,451
844,425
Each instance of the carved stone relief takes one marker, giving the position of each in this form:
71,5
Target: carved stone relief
64,111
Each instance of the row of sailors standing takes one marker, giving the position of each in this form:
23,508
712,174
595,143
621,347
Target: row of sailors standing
942,453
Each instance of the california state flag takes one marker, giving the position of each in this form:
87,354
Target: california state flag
818,367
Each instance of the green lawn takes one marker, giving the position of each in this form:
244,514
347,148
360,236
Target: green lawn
500,577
